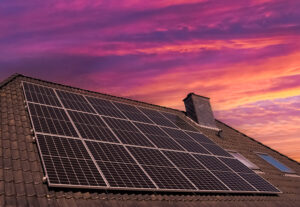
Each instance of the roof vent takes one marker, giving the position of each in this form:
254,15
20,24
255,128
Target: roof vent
198,108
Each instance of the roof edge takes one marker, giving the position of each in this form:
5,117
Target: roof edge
258,142
10,78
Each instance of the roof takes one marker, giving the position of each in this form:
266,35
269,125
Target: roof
21,172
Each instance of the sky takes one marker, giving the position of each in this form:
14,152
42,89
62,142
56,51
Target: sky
244,55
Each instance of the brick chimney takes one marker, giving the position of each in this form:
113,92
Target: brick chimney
198,108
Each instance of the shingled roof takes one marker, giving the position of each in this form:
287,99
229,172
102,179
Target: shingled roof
21,171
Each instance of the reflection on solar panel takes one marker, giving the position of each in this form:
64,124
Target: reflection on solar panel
87,142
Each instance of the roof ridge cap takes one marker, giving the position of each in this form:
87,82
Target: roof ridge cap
10,78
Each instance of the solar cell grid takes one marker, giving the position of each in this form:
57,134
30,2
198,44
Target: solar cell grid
132,113
40,94
233,181
168,178
149,156
212,163
51,120
68,162
157,117
200,137
127,132
216,150
92,127
179,122
158,137
191,146
258,182
109,152
71,171
177,134
74,101
204,180
236,165
63,147
183,160
104,107
125,175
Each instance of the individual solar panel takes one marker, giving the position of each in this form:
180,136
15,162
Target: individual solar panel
51,120
149,156
200,137
236,165
67,162
183,160
92,127
211,163
127,132
179,122
125,175
39,94
168,178
109,152
177,134
191,146
204,180
233,181
74,101
157,117
132,113
106,108
158,137
258,182
216,150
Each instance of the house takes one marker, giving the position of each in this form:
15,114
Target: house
22,169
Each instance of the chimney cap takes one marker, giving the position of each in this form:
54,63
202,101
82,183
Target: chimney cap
192,93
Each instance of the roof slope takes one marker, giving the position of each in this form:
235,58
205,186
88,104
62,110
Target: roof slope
21,173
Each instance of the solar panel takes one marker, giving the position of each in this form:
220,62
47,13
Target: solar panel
236,165
168,178
51,120
104,107
179,122
157,117
204,180
39,94
258,182
127,132
132,113
74,101
158,137
91,126
67,162
118,166
88,142
233,181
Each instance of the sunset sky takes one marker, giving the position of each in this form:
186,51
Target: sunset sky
244,55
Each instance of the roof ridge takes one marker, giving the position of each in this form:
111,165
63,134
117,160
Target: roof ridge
258,142
9,79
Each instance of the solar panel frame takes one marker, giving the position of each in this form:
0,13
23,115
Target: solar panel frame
146,189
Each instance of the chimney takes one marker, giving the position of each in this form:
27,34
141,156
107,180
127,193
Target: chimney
198,108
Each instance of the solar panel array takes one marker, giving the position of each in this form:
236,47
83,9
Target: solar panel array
88,142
